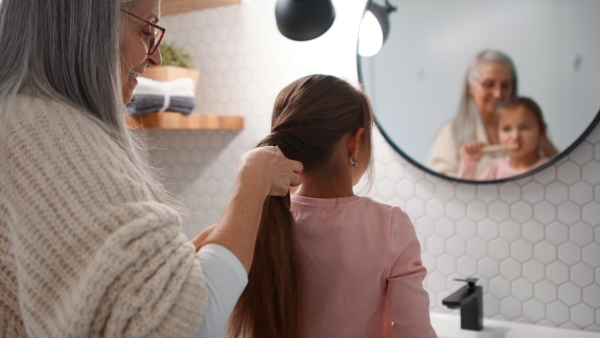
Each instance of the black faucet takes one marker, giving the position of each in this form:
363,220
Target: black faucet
469,299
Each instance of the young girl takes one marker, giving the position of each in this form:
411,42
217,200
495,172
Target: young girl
521,132
356,262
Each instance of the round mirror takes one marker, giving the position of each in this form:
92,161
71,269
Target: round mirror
417,79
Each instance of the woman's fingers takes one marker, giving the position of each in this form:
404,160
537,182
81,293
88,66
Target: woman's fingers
269,168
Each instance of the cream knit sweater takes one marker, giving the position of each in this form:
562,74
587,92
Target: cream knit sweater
84,249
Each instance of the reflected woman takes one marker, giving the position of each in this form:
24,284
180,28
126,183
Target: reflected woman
490,79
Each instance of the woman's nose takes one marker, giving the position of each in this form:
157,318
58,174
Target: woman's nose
155,59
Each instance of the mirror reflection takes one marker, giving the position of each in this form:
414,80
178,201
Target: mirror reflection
485,90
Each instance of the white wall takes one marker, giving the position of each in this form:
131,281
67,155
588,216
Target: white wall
534,243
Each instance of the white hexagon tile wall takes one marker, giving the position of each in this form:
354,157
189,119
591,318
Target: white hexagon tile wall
534,243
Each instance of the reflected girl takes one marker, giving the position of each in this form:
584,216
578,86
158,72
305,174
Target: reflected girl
491,78
521,131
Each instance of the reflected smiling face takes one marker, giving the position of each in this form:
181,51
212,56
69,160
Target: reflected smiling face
494,83
134,42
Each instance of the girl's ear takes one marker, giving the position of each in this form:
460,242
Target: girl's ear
354,142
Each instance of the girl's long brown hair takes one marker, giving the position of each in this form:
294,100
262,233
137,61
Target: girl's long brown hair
310,118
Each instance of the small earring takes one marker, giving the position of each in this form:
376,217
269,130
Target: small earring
353,162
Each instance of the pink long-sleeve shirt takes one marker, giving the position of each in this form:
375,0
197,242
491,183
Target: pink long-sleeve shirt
363,267
498,169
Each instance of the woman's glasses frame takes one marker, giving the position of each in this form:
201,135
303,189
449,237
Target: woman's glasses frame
156,39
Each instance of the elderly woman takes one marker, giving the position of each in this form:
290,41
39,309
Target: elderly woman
90,244
491,77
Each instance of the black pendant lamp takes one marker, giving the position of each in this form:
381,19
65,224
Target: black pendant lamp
303,20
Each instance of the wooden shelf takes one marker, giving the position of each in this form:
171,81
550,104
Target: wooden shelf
168,120
169,7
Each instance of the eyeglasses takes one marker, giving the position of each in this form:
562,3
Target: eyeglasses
157,33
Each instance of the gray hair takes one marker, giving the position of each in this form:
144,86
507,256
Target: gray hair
68,51
468,116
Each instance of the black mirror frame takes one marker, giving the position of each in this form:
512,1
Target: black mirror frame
552,161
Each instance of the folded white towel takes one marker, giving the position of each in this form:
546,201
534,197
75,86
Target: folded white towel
180,87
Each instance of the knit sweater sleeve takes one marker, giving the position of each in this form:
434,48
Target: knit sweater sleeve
94,253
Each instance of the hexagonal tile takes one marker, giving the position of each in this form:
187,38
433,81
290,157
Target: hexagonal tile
557,273
532,231
533,271
581,193
386,189
568,172
557,313
444,227
487,229
521,250
569,253
444,191
569,212
521,211
569,293
436,281
582,154
510,192
498,211
499,287
581,234
591,213
544,212
415,207
545,176
499,249
425,191
488,267
491,305
510,230
456,246
510,269
510,308
466,228
582,315
477,248
557,233
532,192
405,189
466,192
582,275
557,192
436,245
429,261
545,291
466,266
477,210
544,252
591,253
435,208
522,289
589,172
534,310
591,296
487,192
455,209
446,264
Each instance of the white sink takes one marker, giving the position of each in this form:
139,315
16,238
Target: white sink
448,326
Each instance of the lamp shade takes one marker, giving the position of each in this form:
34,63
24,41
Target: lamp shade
303,20
382,13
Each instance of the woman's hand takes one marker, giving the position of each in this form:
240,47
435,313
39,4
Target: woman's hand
267,169
262,172
472,151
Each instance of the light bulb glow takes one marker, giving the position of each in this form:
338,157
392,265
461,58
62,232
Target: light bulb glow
370,36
